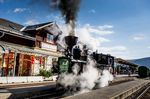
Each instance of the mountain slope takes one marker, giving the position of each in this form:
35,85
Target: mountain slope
142,61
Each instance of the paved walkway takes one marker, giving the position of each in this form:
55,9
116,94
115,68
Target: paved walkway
110,91
26,89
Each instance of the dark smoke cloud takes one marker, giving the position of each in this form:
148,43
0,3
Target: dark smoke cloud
68,8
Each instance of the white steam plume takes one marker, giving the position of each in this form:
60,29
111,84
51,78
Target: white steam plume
105,78
87,80
89,76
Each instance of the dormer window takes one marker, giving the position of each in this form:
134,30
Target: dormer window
50,38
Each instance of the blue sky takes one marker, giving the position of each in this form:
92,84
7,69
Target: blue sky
117,27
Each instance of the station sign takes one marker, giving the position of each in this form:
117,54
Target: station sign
49,47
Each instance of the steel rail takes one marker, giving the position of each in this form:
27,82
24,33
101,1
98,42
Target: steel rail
139,96
54,95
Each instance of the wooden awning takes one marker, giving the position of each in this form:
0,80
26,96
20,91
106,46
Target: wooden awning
28,50
125,62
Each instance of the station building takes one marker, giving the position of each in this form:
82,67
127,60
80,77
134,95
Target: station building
24,50
124,67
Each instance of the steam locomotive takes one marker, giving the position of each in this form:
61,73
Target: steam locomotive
68,71
65,63
75,55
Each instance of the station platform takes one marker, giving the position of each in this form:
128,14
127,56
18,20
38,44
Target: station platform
119,91
20,90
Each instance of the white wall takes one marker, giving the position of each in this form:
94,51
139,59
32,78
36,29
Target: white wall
49,62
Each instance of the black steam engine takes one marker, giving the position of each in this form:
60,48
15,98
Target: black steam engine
74,55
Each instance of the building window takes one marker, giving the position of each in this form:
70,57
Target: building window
50,38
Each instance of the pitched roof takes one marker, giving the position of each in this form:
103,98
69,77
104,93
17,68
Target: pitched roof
122,61
10,25
36,27
17,29
12,28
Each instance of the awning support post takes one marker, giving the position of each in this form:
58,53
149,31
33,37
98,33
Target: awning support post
15,56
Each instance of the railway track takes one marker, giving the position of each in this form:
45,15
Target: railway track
56,94
145,94
25,85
